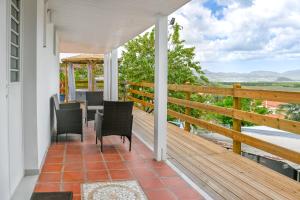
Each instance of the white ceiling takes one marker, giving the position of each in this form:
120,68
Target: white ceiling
98,26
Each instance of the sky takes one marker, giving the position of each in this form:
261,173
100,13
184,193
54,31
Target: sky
243,35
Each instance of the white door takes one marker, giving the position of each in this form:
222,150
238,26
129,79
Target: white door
4,155
15,134
11,138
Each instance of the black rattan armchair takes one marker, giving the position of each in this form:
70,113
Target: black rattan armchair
94,102
68,118
116,119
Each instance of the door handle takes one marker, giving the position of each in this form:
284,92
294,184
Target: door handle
7,90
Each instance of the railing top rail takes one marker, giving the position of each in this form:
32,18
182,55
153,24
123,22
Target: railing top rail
272,95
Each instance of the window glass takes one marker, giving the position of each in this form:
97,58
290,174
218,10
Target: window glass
14,26
14,13
15,41
14,63
16,3
14,76
14,51
14,38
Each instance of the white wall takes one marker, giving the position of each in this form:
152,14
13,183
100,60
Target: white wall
29,85
40,82
47,81
4,155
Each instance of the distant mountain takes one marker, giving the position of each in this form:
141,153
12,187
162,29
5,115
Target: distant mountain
255,76
294,74
283,79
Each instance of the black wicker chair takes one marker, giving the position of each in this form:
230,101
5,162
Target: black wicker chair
68,118
116,119
94,102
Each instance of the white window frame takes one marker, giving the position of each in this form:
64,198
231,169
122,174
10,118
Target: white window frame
45,21
10,43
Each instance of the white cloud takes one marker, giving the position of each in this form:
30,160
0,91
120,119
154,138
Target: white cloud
247,29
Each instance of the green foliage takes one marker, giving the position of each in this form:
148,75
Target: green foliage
137,62
81,73
98,71
137,65
246,104
62,76
292,111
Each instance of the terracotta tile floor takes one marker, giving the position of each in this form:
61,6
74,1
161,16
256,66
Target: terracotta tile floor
70,163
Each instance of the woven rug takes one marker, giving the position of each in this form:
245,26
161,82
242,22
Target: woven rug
116,190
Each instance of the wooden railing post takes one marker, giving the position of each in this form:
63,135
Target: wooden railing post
236,147
187,125
143,98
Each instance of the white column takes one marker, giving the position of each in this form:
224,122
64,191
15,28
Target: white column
114,75
71,82
106,77
161,88
90,77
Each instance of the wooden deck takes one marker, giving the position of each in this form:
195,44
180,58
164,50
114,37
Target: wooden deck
219,172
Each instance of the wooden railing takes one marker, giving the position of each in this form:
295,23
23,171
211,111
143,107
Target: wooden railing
235,113
84,84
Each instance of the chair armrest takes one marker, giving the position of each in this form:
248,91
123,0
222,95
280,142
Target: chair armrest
75,105
69,106
98,123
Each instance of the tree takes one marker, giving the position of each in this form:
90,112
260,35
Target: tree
246,104
292,111
81,73
137,62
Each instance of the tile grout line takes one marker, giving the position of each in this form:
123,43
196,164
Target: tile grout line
63,168
105,164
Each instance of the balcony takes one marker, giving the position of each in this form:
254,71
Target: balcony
195,168
70,163
181,166
217,173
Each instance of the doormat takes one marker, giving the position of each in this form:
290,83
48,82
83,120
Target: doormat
116,190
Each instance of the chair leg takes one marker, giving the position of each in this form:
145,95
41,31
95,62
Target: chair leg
123,139
96,140
130,144
56,138
81,137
